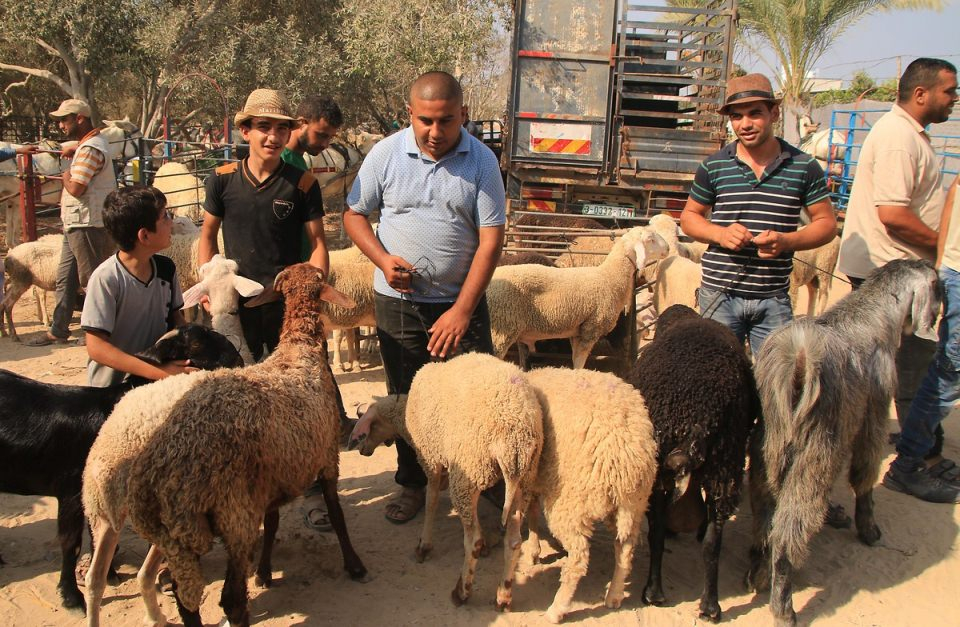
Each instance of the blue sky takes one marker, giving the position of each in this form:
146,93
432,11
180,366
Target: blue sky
874,42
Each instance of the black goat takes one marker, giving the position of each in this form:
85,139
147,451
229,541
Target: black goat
46,431
702,398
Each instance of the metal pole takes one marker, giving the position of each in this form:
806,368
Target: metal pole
29,193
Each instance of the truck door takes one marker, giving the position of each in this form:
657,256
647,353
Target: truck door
562,81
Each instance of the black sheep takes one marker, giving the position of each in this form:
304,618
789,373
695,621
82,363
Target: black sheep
46,431
702,399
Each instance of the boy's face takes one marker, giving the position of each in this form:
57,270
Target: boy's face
267,138
159,238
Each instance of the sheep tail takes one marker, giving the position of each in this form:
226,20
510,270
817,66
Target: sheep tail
510,493
799,450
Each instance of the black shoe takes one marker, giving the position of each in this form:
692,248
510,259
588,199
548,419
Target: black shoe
922,485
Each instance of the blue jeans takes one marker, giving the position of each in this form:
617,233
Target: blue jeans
940,388
753,318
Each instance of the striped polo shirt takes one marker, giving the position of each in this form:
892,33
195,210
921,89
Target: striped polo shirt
793,181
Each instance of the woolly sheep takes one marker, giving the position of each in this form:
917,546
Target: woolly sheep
814,269
677,282
598,463
586,251
30,263
478,419
701,396
530,303
352,274
194,456
185,192
44,442
826,384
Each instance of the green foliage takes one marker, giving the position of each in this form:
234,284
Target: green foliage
862,85
125,55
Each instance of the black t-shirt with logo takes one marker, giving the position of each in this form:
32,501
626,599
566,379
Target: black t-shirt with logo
263,222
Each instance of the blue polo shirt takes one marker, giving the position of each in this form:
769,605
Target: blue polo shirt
793,181
430,211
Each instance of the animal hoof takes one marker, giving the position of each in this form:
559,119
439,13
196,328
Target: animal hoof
554,616
757,579
459,595
613,603
264,580
423,550
149,622
710,612
504,605
73,600
651,597
358,574
869,536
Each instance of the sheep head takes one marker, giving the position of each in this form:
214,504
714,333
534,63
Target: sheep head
222,285
378,424
924,302
643,244
205,348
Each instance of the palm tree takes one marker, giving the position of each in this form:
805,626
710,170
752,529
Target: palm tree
799,33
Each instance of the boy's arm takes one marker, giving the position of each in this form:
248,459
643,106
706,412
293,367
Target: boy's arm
103,352
319,258
207,246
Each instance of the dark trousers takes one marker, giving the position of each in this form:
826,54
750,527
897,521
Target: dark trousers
402,330
82,251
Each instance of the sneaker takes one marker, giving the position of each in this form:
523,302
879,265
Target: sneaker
922,485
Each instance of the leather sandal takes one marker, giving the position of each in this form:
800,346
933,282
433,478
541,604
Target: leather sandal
404,507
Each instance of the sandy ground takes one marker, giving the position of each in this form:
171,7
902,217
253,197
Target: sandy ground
906,580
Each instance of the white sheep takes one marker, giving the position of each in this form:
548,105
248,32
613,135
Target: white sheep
598,463
677,281
196,456
478,419
352,274
30,263
814,269
532,302
184,191
221,284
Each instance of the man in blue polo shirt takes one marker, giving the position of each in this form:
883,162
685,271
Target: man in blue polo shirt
755,188
442,211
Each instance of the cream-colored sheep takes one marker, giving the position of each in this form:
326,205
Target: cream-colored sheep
814,268
351,273
184,191
202,455
587,251
30,263
598,463
531,302
677,282
476,418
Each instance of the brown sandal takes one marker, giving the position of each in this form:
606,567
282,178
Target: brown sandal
404,507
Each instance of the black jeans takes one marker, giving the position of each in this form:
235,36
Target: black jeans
402,331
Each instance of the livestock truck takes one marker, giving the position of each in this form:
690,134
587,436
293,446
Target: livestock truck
613,105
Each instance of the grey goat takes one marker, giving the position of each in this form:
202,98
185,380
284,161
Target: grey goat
825,387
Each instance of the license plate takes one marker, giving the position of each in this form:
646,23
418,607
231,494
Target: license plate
609,211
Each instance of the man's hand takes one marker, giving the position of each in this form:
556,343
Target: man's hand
447,331
770,244
27,150
177,367
735,237
68,152
398,272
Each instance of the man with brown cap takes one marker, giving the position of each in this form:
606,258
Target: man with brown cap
86,184
756,188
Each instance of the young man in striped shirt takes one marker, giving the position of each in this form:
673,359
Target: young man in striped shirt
754,190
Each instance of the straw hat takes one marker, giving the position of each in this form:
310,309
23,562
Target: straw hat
749,88
72,106
264,103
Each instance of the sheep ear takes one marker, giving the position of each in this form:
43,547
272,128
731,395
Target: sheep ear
268,295
924,308
192,296
331,295
246,287
641,252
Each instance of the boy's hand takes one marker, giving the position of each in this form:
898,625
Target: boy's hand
177,367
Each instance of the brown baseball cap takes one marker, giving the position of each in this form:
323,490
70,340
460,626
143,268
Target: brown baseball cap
748,88
264,103
72,106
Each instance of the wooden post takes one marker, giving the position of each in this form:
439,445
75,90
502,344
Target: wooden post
29,195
